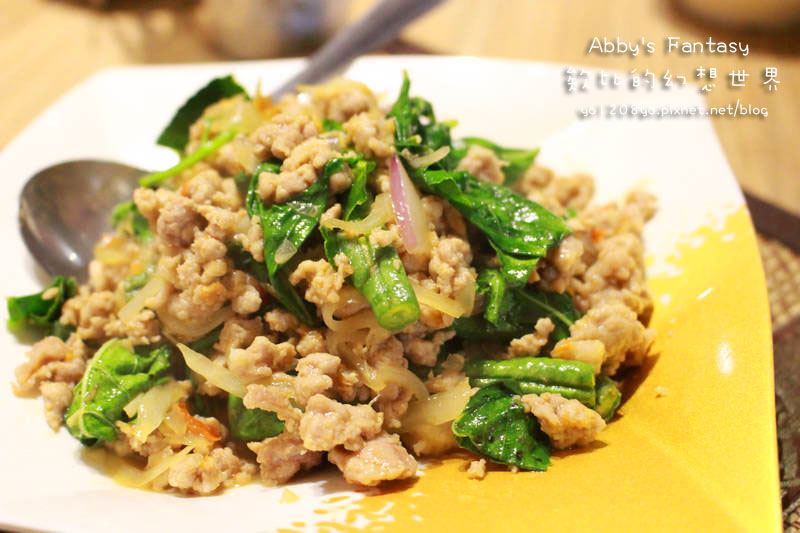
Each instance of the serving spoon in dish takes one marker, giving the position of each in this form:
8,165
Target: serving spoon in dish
60,228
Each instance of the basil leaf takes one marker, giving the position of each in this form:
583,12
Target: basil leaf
176,134
251,424
113,377
494,424
511,312
33,310
514,224
126,219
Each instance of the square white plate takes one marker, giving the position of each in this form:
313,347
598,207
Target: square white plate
118,113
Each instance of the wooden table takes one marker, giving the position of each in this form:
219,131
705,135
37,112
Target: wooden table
48,46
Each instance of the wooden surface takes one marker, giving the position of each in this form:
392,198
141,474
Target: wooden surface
48,46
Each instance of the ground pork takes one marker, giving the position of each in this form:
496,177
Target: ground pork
237,333
323,282
209,188
564,263
341,99
90,312
477,469
143,328
328,423
371,134
312,341
540,185
252,239
484,164
205,473
282,457
244,292
197,277
282,134
297,172
425,352
382,458
567,422
49,361
236,156
276,398
57,397
530,344
625,339
281,320
261,359
315,373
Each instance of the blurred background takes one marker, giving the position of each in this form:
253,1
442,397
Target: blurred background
48,46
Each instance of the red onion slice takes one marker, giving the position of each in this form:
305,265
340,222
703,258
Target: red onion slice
408,211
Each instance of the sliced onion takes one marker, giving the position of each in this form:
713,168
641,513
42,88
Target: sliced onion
190,331
362,320
217,375
438,408
429,158
235,113
586,351
151,407
152,288
403,377
408,211
440,302
466,297
155,470
111,250
380,213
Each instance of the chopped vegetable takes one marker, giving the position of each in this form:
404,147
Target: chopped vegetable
151,407
196,426
215,374
291,222
113,377
329,124
608,397
205,149
512,312
438,408
494,424
206,341
126,219
514,224
134,283
42,309
251,424
190,331
409,213
358,197
536,375
520,230
379,214
518,159
379,276
152,288
176,134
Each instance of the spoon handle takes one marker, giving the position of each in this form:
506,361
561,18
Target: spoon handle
374,29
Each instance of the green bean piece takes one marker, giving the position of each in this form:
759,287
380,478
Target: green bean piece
586,397
608,397
543,370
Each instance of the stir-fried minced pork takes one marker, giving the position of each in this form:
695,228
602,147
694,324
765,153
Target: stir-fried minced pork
336,275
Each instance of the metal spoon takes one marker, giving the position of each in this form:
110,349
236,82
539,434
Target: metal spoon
64,209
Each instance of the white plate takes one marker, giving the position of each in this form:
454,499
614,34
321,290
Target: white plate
118,113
